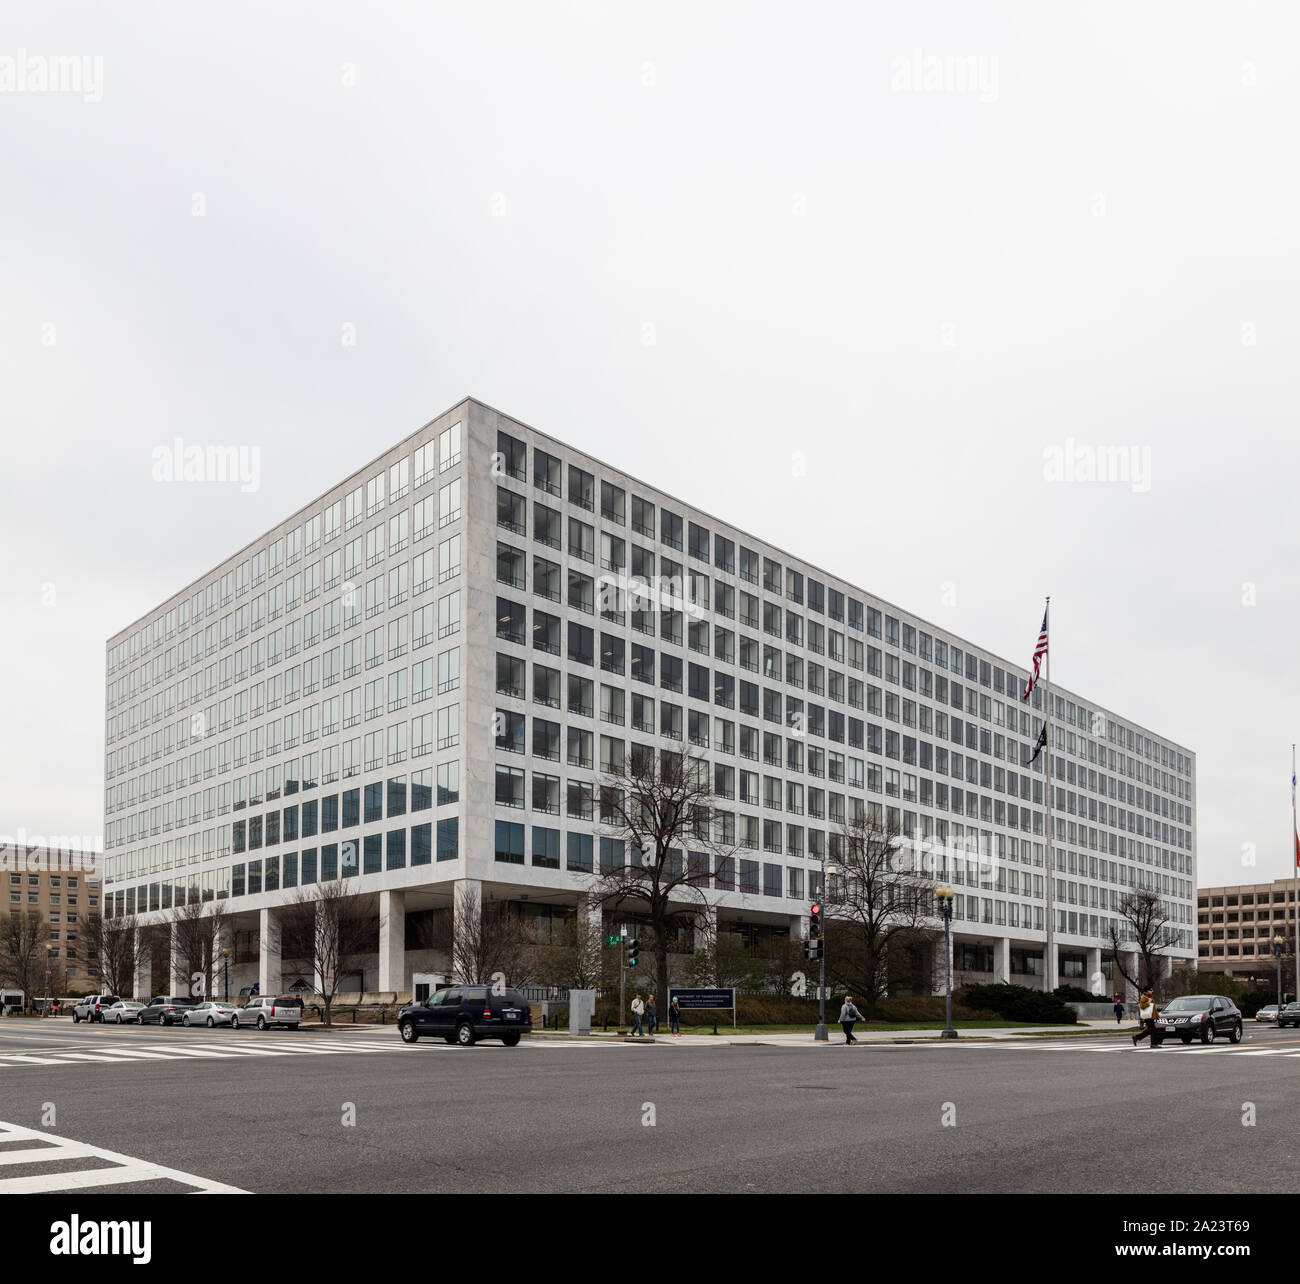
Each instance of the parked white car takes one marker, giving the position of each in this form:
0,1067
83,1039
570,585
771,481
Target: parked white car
127,1010
214,1012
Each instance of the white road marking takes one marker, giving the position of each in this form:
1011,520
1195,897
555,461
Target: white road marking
124,1168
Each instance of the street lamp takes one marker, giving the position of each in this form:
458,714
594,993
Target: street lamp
1277,950
820,1033
225,972
945,895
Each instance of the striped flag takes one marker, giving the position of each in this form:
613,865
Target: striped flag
1040,650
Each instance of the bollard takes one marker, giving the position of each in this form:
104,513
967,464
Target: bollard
715,1025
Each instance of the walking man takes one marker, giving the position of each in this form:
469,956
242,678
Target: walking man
638,1007
1147,1012
1119,1009
848,1015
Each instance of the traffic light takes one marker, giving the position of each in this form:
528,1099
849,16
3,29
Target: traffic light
812,950
815,921
633,949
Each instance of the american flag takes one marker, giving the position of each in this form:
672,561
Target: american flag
1040,650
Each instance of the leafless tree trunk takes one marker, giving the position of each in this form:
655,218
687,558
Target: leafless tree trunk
1143,928
116,941
198,939
874,903
325,924
24,937
489,942
660,804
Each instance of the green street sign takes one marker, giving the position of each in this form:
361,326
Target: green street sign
612,940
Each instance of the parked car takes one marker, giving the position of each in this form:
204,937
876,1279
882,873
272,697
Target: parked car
93,1007
165,1010
262,1012
1207,1016
1268,1013
1289,1015
127,1010
464,1014
210,1013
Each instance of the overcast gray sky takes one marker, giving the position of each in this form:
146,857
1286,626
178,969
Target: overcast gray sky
925,245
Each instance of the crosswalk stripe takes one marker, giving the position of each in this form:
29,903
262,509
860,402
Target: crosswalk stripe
125,1168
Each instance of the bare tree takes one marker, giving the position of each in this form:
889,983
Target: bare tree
660,805
722,960
116,941
488,941
199,930
24,938
876,907
327,924
577,958
1143,928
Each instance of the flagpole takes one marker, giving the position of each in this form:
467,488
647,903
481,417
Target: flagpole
1049,962
1295,873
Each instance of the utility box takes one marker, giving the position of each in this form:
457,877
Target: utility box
582,1007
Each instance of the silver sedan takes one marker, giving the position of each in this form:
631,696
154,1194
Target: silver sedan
124,1010
214,1012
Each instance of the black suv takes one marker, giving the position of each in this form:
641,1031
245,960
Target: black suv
1206,1016
465,1013
1289,1015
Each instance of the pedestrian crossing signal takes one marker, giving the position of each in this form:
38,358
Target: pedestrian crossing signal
812,950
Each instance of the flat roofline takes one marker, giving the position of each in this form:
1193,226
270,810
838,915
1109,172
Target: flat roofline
1057,688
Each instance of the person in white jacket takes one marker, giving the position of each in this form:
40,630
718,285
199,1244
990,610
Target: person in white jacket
638,1010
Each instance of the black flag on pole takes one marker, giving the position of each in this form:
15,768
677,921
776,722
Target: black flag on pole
1040,745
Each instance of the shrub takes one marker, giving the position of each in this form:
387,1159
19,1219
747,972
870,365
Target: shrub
1073,994
1017,1003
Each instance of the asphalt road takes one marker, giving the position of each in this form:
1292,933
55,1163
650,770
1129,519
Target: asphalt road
271,1113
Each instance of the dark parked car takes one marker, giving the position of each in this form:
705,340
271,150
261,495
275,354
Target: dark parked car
1289,1015
165,1011
1204,1016
466,1013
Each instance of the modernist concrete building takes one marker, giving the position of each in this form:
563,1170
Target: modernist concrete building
417,679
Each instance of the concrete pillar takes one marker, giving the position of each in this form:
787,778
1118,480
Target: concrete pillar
180,981
1002,961
1131,962
268,953
1096,981
222,968
392,940
143,964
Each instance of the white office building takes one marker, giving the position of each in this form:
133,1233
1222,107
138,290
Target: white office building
417,679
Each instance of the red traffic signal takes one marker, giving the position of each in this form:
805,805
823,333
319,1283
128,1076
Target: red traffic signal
814,920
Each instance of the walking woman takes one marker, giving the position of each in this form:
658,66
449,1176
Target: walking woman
1147,1012
675,1019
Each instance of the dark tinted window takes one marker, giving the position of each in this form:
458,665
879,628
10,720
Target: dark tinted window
451,999
475,994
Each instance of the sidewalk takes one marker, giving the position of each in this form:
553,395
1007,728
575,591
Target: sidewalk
1000,1034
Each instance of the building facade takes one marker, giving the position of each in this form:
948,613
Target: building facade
62,885
418,680
1237,929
